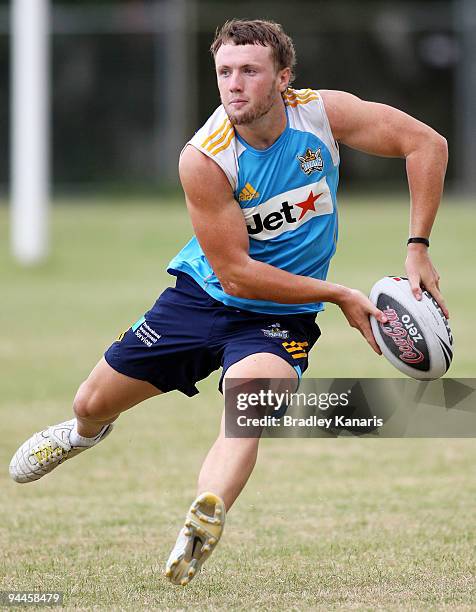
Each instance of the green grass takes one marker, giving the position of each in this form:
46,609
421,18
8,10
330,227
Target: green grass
323,524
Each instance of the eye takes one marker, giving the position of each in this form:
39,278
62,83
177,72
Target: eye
250,71
224,72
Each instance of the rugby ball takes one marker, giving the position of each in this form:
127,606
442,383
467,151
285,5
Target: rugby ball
417,338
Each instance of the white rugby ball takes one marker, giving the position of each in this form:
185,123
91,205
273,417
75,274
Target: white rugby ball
417,338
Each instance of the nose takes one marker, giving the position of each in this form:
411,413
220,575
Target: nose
236,82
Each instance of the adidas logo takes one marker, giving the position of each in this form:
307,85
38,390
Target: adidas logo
248,193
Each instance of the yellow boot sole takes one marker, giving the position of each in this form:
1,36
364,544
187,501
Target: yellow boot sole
197,540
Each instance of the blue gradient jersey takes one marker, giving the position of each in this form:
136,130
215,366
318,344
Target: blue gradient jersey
287,194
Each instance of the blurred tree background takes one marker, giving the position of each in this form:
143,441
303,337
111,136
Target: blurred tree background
132,80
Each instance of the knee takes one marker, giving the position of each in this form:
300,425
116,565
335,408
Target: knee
88,403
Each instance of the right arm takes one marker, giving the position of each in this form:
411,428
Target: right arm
221,231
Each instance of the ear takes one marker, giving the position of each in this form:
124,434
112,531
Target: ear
284,76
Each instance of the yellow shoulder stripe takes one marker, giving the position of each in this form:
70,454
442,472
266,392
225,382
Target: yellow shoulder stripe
225,144
303,93
296,103
224,135
292,98
212,136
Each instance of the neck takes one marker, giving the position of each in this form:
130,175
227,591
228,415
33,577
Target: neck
263,132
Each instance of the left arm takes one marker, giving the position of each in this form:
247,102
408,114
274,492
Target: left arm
382,130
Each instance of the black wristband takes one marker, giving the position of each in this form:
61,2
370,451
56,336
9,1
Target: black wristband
418,240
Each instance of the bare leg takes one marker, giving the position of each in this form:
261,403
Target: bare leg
104,395
99,401
230,461
224,473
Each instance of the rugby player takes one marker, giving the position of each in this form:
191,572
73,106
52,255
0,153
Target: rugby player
260,180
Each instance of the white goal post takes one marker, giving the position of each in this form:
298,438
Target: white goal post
29,129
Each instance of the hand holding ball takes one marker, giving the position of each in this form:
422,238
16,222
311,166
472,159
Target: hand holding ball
417,337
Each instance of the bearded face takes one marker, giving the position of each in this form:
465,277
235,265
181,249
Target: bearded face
248,82
253,111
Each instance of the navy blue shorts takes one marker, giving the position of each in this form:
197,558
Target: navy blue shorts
187,335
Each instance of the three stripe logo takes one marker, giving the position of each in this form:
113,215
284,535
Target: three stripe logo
220,139
293,97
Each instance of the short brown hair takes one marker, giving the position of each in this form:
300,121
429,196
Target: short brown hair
258,32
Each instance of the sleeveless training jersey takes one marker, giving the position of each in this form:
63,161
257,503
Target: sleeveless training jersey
287,194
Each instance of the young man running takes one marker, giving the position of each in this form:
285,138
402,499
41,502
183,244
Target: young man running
260,180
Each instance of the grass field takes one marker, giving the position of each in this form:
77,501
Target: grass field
323,524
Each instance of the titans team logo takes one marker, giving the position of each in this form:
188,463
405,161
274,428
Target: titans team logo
275,331
311,161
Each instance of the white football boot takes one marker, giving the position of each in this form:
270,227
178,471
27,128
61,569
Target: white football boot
197,539
45,450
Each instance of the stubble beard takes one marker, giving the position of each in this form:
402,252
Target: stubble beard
261,109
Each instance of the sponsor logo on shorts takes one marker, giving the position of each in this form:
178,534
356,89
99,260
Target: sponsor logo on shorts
147,335
275,331
296,349
311,161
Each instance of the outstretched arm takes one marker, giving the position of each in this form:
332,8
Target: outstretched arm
220,228
381,130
